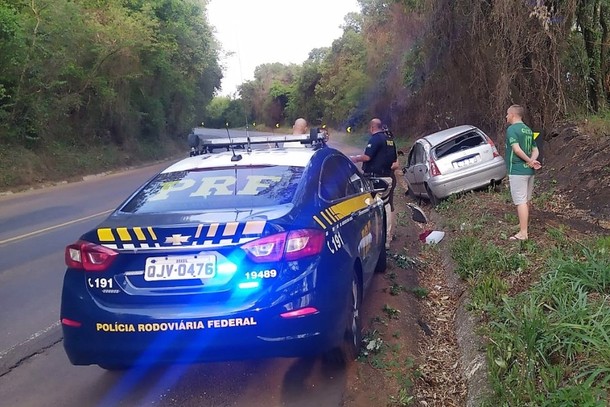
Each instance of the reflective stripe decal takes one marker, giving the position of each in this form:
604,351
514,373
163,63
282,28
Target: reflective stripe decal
212,229
124,234
105,235
342,210
254,227
230,229
202,235
323,213
198,233
319,222
139,234
152,233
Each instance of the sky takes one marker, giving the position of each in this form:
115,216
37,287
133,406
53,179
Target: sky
267,31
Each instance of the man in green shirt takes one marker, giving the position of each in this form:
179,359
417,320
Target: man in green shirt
521,162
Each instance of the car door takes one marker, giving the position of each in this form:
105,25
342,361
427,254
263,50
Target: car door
417,170
344,189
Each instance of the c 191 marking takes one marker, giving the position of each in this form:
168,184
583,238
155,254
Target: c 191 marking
335,243
101,283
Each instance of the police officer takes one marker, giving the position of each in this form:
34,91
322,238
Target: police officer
380,160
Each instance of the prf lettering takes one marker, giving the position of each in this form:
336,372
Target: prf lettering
223,185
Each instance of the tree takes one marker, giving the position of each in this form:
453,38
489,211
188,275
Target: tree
589,18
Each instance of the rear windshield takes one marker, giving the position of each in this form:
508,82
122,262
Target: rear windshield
239,187
459,143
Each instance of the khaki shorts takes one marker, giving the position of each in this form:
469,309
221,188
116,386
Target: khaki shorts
388,194
521,188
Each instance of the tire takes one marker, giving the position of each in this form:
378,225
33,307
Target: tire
111,367
434,201
381,264
349,349
382,261
496,185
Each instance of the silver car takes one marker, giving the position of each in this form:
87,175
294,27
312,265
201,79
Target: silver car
458,159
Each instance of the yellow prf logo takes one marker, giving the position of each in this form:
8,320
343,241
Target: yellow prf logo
536,134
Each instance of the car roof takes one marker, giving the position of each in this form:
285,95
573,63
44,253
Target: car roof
289,156
436,138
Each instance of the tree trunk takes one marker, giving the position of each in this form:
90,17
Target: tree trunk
605,50
588,16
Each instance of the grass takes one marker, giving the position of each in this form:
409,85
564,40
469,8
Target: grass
598,125
384,348
544,303
387,357
56,161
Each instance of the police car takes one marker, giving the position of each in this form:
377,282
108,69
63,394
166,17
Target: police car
227,256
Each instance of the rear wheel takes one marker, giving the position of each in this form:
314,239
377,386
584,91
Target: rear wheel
382,261
352,340
431,197
113,367
496,185
381,264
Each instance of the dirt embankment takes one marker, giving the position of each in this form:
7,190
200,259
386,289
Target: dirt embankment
577,166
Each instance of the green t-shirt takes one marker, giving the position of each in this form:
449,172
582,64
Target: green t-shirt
523,135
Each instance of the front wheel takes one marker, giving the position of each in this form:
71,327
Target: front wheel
352,340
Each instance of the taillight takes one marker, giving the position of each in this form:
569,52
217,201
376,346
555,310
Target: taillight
493,148
302,312
291,245
89,256
434,171
71,322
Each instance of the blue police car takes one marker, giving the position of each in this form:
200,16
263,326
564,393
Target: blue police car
229,256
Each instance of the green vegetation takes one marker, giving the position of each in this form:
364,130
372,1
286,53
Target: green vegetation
92,85
544,304
387,357
118,74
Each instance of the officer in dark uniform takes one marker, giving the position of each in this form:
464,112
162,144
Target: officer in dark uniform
381,160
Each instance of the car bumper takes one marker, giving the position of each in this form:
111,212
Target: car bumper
443,186
130,338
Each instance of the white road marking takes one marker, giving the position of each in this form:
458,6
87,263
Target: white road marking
37,232
31,338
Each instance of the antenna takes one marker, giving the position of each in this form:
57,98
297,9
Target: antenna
236,157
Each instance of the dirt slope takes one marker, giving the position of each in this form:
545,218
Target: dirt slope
577,167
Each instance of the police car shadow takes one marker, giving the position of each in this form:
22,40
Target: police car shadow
313,382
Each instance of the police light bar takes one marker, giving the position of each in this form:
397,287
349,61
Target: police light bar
242,141
202,141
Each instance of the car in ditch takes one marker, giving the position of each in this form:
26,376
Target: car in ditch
224,256
450,161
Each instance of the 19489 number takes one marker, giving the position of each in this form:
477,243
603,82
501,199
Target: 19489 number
255,275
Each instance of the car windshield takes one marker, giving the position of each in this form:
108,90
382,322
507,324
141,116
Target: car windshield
459,143
217,188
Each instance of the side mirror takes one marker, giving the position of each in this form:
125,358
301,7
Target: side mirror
379,185
313,134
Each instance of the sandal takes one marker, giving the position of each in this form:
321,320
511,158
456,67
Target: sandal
517,238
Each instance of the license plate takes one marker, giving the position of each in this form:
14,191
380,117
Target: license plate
465,162
180,267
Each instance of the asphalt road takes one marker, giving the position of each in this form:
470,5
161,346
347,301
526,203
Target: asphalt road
35,227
